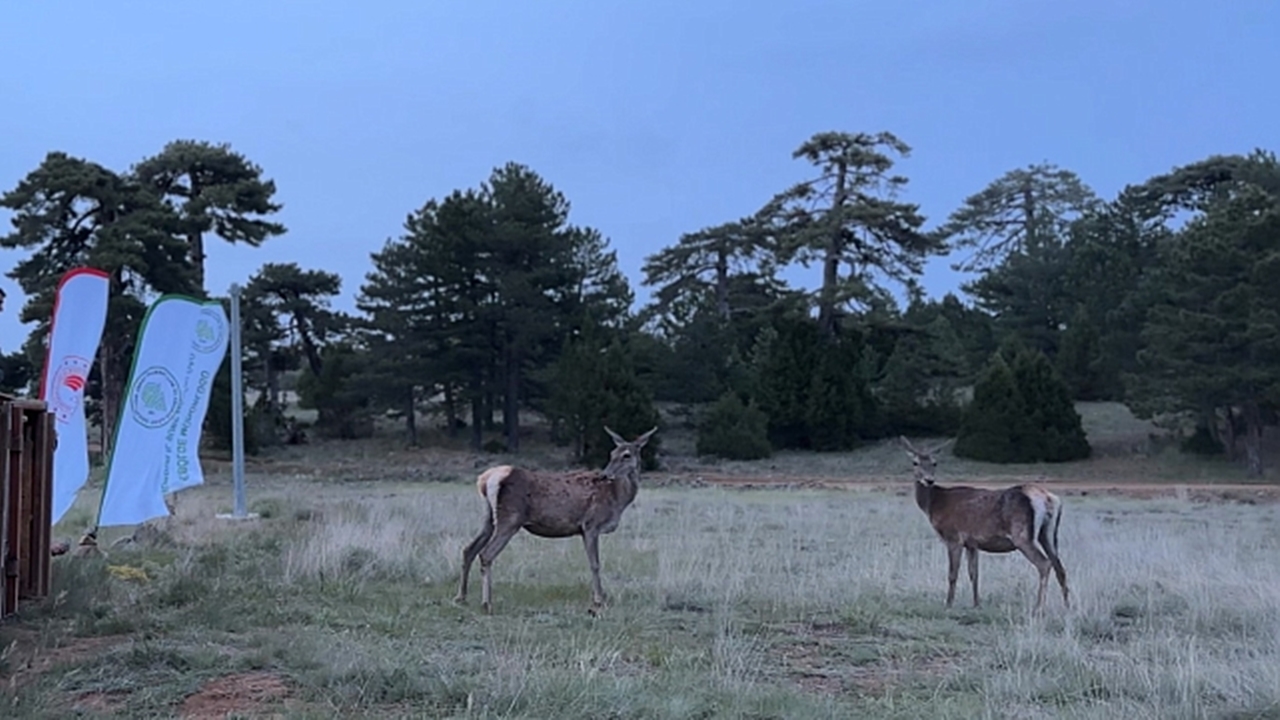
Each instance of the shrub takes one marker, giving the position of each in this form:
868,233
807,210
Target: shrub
734,431
1022,413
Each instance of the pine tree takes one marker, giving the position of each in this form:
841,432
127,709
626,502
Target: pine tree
991,424
593,385
1080,358
734,430
1021,412
1052,431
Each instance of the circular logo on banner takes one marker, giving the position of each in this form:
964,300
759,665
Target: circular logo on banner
211,330
66,391
156,397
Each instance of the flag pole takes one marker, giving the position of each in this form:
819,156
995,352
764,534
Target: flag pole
240,511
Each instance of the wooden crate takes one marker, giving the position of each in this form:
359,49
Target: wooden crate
26,499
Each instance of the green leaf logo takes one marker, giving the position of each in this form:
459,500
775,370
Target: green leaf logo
153,397
156,397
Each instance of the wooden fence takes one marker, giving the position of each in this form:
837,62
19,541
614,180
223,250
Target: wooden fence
26,499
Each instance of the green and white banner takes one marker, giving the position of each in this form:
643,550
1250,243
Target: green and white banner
181,344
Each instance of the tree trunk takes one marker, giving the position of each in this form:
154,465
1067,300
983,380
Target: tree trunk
1253,439
308,345
113,381
410,417
110,401
1029,214
511,407
477,413
722,284
1228,438
450,410
831,263
196,241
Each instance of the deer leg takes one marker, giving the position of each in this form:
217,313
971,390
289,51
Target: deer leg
973,572
1037,558
953,570
591,541
469,555
1050,545
502,533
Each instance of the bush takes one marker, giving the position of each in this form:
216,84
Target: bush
1021,413
990,425
734,431
810,388
594,385
1202,442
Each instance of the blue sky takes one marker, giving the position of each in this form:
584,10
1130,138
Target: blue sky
655,118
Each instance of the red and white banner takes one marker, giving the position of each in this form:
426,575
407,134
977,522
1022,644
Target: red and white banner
79,315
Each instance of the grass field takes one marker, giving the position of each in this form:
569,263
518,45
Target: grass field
725,602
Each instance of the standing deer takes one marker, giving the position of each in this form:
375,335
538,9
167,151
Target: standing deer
969,519
548,505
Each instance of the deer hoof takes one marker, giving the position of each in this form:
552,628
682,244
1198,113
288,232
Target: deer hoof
596,609
459,599
488,609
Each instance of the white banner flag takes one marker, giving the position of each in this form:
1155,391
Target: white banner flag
79,315
180,345
182,469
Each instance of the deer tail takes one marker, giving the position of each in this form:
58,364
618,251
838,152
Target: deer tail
1041,511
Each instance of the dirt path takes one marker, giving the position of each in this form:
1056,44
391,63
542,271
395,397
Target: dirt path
1238,492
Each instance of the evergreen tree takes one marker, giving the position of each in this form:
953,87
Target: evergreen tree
1051,431
919,386
1212,334
1021,412
71,212
594,385
785,381
1080,359
734,430
812,391
991,428
850,215
1017,213
213,189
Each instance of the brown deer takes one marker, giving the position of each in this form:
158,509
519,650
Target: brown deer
587,503
969,519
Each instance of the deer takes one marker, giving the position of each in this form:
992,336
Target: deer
554,505
972,520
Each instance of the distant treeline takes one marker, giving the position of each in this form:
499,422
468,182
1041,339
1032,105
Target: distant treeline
492,302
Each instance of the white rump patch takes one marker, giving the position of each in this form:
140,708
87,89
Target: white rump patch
489,482
1044,506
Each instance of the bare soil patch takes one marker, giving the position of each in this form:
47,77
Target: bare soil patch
240,694
821,659
27,660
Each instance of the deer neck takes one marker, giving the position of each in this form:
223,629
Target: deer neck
925,495
626,488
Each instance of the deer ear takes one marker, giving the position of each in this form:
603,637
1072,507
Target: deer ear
943,446
640,441
617,439
907,444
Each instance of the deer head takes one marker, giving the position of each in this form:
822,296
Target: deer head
624,460
924,463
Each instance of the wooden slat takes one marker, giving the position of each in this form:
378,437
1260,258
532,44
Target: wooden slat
12,534
26,500
43,515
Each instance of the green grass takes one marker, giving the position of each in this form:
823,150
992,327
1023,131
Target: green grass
723,604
